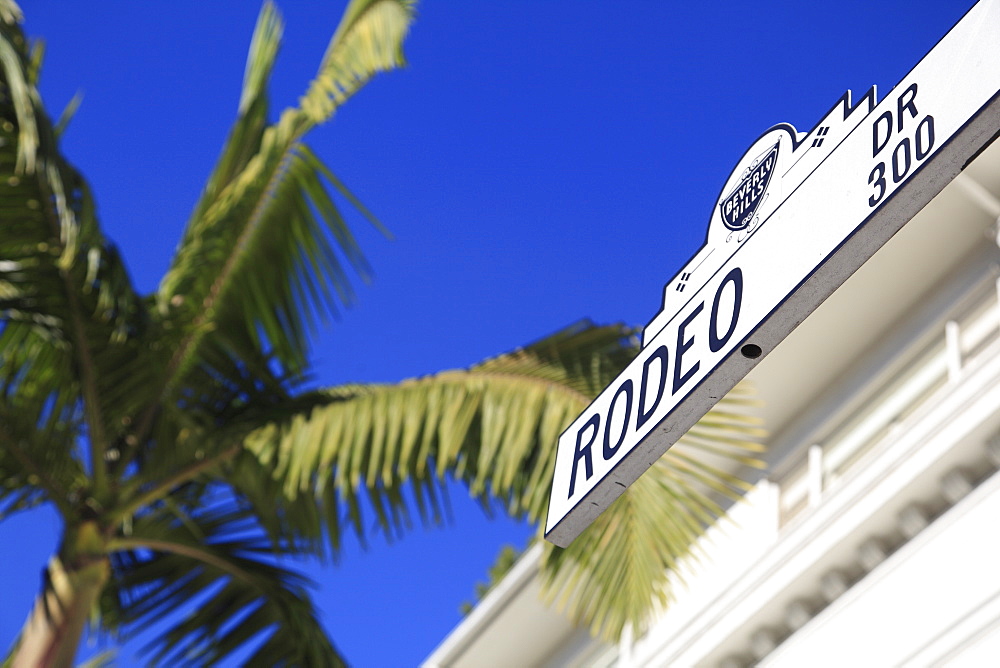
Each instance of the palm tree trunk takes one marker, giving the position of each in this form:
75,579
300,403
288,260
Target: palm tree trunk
73,583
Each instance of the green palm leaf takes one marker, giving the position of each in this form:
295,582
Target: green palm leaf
205,554
67,309
268,204
366,42
495,426
615,572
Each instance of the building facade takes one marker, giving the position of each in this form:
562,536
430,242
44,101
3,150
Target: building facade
872,537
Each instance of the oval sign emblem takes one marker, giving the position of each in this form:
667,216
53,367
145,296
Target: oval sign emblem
739,207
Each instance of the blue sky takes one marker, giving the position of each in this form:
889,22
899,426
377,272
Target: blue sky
537,161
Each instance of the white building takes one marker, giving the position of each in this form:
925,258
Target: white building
873,538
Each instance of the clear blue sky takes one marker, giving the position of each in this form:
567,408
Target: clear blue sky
539,161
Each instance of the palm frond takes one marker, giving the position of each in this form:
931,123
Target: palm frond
615,573
268,203
204,553
68,312
35,467
245,136
495,427
19,97
368,40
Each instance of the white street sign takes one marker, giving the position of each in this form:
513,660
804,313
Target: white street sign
800,213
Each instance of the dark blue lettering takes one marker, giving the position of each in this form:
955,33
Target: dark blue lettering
927,125
901,167
660,354
877,145
902,105
682,346
584,452
626,387
715,342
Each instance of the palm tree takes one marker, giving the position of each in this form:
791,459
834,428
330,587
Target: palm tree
173,433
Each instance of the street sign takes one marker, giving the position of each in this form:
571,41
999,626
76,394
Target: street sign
800,213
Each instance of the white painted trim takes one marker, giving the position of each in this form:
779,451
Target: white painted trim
511,586
921,442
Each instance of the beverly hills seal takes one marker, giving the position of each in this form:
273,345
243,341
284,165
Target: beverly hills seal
738,208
